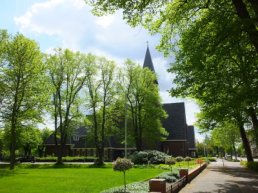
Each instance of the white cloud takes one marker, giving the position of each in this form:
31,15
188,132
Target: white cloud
105,21
73,26
69,20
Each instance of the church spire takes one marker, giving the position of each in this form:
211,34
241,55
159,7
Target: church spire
148,61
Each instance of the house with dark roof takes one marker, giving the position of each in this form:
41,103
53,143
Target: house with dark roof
79,143
181,139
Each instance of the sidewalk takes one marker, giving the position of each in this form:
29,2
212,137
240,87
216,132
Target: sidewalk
232,178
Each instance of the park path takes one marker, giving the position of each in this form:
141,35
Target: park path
232,178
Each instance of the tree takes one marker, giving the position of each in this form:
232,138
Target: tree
226,136
179,159
216,45
1,143
29,139
23,79
122,165
170,17
44,134
100,98
213,116
170,161
187,159
144,104
67,77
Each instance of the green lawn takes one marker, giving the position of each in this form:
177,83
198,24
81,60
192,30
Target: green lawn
68,180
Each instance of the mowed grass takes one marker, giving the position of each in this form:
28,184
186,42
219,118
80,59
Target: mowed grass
69,180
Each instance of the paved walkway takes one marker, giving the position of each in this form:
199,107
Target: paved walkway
232,178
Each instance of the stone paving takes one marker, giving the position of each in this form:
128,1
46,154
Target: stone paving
232,178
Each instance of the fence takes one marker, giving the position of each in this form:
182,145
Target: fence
160,185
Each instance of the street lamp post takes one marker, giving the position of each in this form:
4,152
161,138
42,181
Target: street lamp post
125,128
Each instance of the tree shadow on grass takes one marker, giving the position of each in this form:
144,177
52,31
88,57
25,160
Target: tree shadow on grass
10,173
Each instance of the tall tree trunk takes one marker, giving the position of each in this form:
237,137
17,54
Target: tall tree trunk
252,114
248,24
13,134
245,141
140,127
13,146
96,138
101,160
60,154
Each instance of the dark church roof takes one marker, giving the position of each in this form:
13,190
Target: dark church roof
191,137
51,140
175,123
81,131
80,140
148,61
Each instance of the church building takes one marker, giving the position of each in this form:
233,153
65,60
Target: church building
181,139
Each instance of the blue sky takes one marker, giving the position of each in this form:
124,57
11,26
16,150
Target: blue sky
70,24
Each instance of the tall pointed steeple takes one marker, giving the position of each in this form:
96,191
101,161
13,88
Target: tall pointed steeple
148,61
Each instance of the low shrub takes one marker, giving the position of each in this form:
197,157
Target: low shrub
169,177
250,165
212,159
139,187
140,157
122,165
148,157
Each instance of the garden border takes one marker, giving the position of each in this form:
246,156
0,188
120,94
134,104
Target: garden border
160,185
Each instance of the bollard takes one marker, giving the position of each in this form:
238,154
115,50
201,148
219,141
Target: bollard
183,173
157,185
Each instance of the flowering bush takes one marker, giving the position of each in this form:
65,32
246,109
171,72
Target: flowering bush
199,161
122,165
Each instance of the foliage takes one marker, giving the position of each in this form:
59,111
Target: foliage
211,159
30,139
215,45
169,176
144,104
250,165
170,161
188,159
66,77
148,157
25,90
1,143
139,187
122,165
227,137
179,159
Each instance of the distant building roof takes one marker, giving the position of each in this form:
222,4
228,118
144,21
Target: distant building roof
81,131
148,61
51,140
79,140
190,137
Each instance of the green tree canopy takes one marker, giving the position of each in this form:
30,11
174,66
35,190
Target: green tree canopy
23,80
